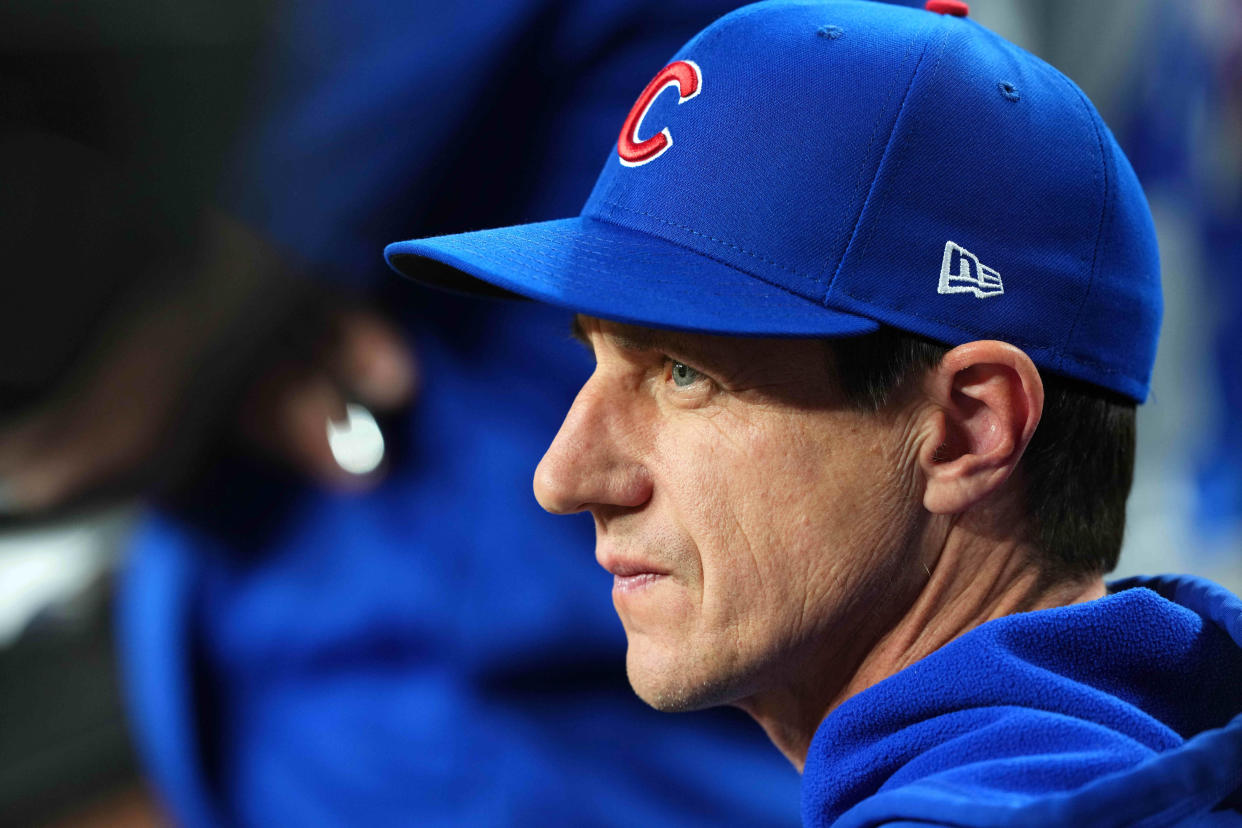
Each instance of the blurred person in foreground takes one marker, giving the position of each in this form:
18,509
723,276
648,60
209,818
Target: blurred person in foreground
383,655
872,296
307,644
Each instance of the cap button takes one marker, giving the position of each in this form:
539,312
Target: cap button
953,7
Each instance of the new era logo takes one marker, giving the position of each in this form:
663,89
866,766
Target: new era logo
961,272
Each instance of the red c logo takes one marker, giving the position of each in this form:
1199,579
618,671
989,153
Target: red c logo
687,77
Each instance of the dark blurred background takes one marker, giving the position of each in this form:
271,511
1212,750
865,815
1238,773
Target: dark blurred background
130,337
115,118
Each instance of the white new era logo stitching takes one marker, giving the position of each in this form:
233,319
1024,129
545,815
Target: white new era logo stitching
961,272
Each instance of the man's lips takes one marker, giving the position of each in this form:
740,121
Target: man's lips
630,574
622,567
631,583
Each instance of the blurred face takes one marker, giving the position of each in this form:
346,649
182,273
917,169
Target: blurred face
753,523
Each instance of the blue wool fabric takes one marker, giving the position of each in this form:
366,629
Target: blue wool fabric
821,185
1126,710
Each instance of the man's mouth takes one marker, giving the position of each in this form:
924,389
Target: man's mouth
632,583
630,575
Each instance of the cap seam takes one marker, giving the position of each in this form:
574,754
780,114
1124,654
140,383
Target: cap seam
865,238
826,281
808,299
539,263
1060,354
848,236
1021,342
1053,350
1064,350
726,243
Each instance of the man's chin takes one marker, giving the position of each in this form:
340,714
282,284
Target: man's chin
672,690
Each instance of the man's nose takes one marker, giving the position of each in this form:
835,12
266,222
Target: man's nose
592,462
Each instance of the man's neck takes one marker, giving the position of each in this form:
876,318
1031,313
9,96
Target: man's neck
970,580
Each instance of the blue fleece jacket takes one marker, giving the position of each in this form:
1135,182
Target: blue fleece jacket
1122,711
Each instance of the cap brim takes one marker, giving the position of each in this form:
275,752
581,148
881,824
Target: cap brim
604,270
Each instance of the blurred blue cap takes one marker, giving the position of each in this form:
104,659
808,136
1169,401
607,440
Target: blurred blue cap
821,168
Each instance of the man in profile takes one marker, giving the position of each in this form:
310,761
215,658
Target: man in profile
872,295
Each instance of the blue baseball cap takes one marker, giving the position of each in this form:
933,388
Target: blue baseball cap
822,168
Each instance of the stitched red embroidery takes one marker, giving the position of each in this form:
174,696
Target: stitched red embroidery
688,78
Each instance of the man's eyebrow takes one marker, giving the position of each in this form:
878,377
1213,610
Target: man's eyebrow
628,337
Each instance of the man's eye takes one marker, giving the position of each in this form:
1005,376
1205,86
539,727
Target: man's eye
683,375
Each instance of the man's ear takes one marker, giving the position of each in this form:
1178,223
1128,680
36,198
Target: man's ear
986,399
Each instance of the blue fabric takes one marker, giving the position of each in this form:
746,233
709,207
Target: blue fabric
438,651
1122,711
837,170
564,262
